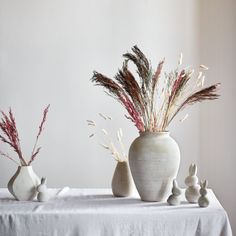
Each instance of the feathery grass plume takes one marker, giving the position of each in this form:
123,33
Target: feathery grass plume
130,85
155,79
208,93
140,60
10,136
119,94
152,104
41,127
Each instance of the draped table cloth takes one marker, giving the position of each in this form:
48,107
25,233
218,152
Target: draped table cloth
96,212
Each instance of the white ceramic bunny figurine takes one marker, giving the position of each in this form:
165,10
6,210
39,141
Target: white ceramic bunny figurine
192,192
203,200
174,198
43,195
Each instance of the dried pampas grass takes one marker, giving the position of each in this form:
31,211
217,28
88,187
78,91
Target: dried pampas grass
153,103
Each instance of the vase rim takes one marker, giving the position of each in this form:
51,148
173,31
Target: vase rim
166,132
25,166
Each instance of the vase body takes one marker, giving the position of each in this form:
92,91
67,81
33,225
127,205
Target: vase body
122,181
23,184
154,160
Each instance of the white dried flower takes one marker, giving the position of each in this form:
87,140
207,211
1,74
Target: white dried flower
121,132
184,118
103,116
104,131
199,75
203,80
180,59
200,82
91,124
191,72
204,67
118,136
104,146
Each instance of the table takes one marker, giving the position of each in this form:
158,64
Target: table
96,212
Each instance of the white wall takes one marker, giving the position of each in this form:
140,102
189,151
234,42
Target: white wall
48,50
218,127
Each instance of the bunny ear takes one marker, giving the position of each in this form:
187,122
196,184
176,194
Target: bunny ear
174,183
205,183
43,180
201,184
190,169
194,169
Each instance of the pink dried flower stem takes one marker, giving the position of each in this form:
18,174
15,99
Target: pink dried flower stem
36,151
34,155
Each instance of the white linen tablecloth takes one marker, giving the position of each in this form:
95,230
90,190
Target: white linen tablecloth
96,212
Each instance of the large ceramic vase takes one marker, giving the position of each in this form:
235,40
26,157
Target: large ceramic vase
122,181
23,184
154,160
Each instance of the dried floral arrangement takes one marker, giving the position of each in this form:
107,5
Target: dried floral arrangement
153,102
9,135
116,147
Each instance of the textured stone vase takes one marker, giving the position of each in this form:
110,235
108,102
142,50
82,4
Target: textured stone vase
122,181
23,184
154,162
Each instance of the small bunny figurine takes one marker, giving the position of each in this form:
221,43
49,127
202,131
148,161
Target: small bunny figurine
43,193
174,198
203,200
192,192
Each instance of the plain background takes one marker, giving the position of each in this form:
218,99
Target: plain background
49,49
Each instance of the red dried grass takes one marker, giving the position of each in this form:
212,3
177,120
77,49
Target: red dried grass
10,136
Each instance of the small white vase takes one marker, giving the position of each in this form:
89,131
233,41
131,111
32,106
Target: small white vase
154,162
23,184
122,181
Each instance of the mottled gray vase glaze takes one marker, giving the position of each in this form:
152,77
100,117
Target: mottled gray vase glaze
122,181
154,162
23,184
